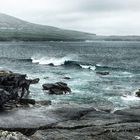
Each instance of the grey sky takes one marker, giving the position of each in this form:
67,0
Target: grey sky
104,17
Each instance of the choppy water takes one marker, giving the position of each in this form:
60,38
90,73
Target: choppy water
121,59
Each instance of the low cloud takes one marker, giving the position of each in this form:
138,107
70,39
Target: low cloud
104,17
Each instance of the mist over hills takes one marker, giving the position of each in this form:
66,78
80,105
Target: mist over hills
12,28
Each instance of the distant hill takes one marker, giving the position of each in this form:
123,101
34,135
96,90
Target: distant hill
12,28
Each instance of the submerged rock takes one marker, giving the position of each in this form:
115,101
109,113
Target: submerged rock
102,72
66,78
57,88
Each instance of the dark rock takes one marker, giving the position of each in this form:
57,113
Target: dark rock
51,64
67,78
72,64
46,78
4,97
102,73
13,87
45,102
27,101
138,93
57,88
34,81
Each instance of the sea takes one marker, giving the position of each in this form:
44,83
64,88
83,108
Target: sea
84,60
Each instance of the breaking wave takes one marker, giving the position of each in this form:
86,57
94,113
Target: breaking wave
64,61
88,67
48,61
70,62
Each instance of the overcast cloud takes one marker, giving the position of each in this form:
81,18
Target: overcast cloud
104,17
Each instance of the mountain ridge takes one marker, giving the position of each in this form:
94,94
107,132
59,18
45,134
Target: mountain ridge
12,28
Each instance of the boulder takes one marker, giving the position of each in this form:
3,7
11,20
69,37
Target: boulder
72,64
51,64
57,88
138,93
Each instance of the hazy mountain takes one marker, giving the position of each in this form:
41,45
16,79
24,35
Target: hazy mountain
12,28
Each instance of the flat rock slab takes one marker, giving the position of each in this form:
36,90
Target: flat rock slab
70,121
26,118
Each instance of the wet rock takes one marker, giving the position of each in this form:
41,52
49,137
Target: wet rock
51,64
5,72
4,97
133,112
27,101
67,78
34,81
57,88
87,133
13,87
28,120
72,64
106,106
89,124
44,103
46,77
138,93
102,72
72,122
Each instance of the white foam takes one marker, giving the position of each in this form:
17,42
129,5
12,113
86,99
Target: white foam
88,67
130,98
137,137
127,73
98,65
47,61
88,41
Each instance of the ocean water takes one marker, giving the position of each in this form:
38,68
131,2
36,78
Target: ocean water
120,59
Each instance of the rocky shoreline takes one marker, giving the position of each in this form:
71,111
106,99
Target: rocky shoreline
68,122
39,120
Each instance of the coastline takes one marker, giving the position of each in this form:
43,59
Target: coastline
72,122
43,120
